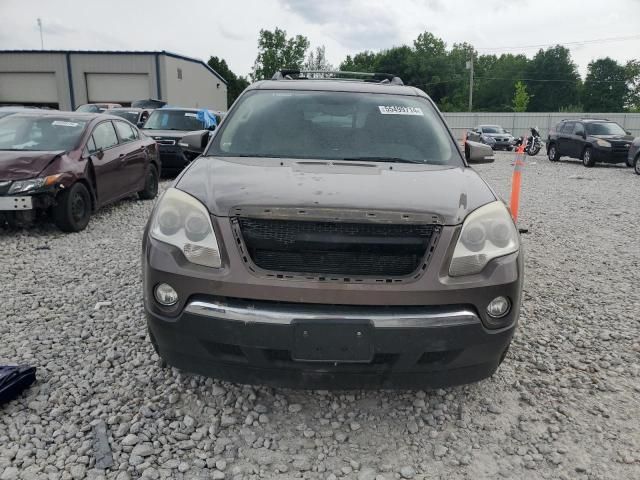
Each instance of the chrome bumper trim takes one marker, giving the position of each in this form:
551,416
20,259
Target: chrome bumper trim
409,317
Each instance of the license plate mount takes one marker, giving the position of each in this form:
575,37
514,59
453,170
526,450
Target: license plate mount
16,203
333,341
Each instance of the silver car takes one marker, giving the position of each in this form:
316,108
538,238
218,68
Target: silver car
503,138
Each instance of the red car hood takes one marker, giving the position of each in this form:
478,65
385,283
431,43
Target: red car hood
20,165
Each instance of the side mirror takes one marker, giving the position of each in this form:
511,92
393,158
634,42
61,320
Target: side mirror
98,153
195,142
476,152
140,123
627,132
211,128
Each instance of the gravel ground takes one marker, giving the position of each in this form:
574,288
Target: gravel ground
564,404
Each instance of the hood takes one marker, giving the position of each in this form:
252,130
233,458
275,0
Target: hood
620,138
225,183
175,134
20,165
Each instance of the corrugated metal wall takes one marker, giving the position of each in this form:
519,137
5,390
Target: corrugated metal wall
519,123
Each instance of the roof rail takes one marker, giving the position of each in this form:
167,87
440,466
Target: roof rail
296,74
577,119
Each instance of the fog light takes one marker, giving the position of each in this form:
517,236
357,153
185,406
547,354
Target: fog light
499,307
165,295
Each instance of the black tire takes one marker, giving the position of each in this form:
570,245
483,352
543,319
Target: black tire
73,208
636,165
150,185
552,153
509,149
587,158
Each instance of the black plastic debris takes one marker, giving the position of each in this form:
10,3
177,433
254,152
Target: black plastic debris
14,379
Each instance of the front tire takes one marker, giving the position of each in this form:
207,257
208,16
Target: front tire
636,165
150,185
73,208
587,158
553,154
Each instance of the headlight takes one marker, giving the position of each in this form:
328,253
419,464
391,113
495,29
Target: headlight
487,233
22,186
182,221
603,143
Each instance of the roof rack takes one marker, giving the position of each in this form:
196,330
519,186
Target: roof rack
581,119
296,74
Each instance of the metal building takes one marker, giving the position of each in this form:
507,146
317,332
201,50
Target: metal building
65,79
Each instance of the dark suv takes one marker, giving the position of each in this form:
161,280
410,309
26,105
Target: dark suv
591,140
332,235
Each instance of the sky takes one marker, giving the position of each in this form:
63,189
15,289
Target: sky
229,29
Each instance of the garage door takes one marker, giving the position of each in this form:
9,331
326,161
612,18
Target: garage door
117,87
28,88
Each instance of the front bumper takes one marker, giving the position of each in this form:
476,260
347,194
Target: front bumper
255,343
618,154
172,158
233,324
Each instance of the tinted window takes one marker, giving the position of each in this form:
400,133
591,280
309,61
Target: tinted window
605,128
48,133
493,129
125,132
132,116
335,126
174,120
568,127
578,129
105,136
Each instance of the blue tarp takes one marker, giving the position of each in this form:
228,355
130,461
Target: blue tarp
207,118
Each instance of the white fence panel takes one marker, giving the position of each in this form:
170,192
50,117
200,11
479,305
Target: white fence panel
519,123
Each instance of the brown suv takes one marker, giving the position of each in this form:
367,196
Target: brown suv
332,235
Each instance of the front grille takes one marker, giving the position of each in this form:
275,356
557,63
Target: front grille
336,248
620,150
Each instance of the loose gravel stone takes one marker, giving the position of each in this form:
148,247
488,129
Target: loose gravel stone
565,399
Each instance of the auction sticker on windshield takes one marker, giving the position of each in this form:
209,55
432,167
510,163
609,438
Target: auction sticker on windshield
60,123
399,110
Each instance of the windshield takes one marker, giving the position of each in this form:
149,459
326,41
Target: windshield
37,133
493,129
90,108
174,120
132,116
604,128
335,126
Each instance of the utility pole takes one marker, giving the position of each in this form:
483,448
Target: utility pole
41,39
470,68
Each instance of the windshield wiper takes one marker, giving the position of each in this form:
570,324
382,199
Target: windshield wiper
383,159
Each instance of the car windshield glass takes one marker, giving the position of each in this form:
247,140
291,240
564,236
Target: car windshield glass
37,133
493,129
126,114
335,126
174,120
88,108
605,128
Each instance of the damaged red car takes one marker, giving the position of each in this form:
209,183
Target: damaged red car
67,165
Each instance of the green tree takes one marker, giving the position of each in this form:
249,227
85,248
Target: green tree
360,62
605,87
632,69
317,60
520,98
276,51
495,81
235,83
553,81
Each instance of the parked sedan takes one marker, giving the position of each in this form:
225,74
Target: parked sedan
502,138
68,164
137,116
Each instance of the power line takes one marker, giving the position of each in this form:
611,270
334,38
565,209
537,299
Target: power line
582,42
